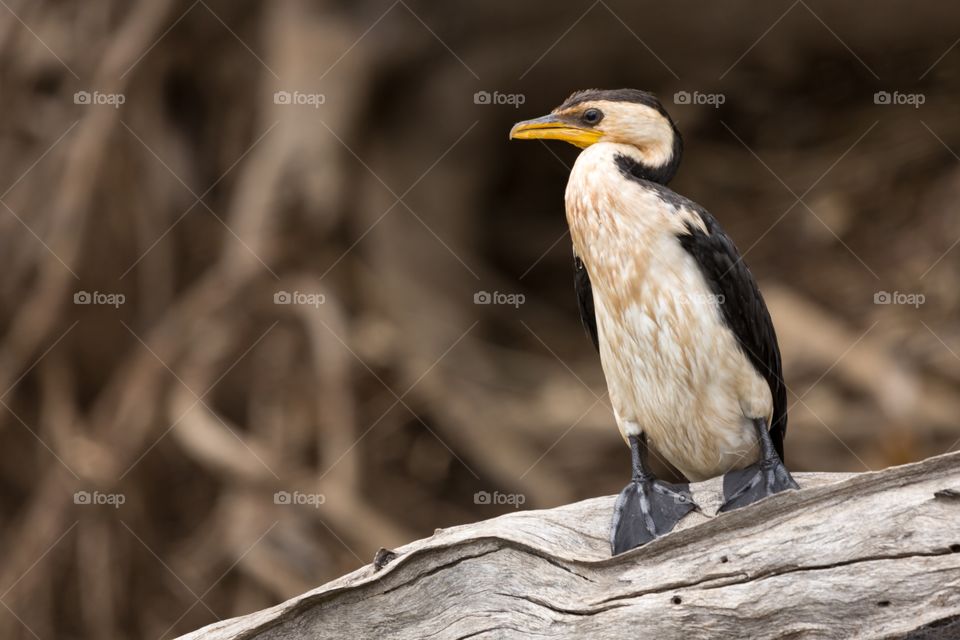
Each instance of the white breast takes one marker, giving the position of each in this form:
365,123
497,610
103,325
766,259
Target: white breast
673,368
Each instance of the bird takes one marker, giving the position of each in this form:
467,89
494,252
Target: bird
686,343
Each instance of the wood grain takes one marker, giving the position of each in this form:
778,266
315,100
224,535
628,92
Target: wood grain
872,555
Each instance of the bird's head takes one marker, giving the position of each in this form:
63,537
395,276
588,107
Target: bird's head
626,117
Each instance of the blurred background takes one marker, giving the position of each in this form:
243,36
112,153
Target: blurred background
277,291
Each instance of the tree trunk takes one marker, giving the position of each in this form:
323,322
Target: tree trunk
872,555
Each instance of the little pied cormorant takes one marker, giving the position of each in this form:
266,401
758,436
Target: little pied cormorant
686,342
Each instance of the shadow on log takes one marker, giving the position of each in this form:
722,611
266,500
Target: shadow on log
872,555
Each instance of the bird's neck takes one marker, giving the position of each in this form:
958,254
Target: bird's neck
656,163
615,218
603,210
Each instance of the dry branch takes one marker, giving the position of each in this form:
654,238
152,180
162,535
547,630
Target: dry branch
872,555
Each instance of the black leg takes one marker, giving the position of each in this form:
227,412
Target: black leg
647,507
765,478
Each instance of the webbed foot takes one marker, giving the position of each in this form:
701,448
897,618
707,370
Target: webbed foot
647,507
759,480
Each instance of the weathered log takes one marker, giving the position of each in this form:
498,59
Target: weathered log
871,555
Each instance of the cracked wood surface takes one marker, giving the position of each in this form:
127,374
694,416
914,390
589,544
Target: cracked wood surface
871,555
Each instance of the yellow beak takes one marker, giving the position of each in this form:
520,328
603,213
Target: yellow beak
552,127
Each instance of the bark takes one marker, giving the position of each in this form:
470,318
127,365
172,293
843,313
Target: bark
871,555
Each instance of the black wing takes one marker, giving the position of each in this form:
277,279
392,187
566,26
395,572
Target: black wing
581,282
743,308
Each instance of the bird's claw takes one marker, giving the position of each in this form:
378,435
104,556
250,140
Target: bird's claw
646,509
746,486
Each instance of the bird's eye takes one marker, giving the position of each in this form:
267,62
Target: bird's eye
592,116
